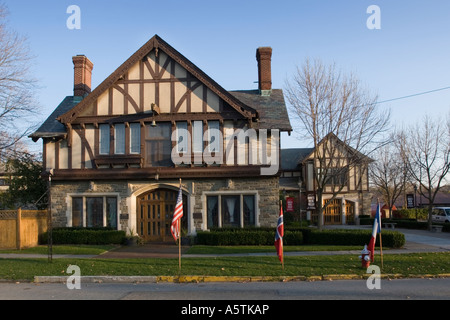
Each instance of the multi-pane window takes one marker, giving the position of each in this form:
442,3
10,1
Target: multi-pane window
334,176
197,136
94,211
236,210
182,137
135,138
104,138
119,138
214,136
158,145
77,212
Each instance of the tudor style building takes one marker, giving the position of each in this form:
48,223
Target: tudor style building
116,154
346,184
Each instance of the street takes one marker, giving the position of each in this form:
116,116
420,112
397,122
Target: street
399,289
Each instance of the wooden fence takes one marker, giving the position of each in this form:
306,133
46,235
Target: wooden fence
21,228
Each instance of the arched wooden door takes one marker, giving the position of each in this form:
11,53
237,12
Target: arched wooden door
154,214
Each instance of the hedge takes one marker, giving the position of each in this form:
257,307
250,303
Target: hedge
391,239
407,223
401,223
254,237
266,236
85,236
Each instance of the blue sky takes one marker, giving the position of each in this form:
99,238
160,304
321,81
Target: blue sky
408,55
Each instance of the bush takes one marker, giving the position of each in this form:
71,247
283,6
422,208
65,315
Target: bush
410,224
401,223
392,239
266,236
96,236
419,213
251,237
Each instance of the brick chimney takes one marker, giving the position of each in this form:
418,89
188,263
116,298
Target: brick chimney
82,75
264,58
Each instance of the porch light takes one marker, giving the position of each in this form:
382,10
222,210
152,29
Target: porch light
155,110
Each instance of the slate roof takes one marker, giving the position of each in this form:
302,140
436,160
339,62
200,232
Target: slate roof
52,127
271,109
291,158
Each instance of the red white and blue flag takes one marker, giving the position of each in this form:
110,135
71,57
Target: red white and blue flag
177,214
279,235
375,230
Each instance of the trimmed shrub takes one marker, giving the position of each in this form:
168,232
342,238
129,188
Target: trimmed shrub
391,239
96,236
266,236
251,237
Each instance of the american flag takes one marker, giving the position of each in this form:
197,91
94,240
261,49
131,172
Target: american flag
279,235
177,214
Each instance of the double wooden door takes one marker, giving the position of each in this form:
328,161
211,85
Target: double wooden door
154,216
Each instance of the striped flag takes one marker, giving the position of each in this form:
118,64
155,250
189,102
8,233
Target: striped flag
279,235
375,230
177,214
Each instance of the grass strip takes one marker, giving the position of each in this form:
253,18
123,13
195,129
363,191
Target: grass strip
403,264
204,249
64,249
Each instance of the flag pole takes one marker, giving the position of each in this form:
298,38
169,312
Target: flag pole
379,235
381,251
282,246
179,241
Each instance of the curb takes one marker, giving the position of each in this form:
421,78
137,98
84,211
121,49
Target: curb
243,279
97,279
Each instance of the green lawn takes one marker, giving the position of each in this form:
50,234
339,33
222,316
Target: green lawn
201,249
405,264
65,249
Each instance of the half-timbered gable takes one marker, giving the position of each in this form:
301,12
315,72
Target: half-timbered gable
341,172
155,119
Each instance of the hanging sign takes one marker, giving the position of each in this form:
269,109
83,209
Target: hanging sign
311,202
289,204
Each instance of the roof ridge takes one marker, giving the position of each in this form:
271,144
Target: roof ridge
157,42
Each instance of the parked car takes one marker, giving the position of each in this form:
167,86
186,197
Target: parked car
441,214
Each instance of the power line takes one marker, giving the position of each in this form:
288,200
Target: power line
413,95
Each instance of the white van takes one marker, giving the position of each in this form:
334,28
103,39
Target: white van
441,214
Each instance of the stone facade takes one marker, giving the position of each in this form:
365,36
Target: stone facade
265,189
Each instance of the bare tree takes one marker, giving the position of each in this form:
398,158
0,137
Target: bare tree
388,174
17,87
425,148
327,104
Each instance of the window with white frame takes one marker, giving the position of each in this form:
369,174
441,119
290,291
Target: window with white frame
119,138
182,137
214,136
94,211
135,138
231,210
104,138
197,136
